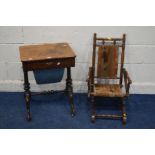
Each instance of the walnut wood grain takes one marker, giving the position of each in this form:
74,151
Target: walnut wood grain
45,52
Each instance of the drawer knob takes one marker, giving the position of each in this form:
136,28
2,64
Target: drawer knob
49,63
58,63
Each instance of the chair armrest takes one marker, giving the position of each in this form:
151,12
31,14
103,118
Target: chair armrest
127,81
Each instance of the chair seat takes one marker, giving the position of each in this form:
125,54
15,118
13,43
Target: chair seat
108,90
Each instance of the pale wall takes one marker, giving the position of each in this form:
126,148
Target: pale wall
140,54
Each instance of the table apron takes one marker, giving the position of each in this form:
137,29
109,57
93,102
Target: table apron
48,64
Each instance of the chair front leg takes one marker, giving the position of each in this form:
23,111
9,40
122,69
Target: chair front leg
93,115
124,114
127,81
90,81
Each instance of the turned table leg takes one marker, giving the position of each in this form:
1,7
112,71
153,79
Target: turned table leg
69,90
27,95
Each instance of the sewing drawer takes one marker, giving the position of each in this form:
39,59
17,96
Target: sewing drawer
47,64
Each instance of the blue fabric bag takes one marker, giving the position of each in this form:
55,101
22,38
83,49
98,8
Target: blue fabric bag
48,75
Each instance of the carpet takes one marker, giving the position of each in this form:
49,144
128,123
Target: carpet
53,112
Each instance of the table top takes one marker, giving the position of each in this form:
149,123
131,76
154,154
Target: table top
45,52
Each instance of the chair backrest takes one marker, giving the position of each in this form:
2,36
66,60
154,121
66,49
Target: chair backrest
108,57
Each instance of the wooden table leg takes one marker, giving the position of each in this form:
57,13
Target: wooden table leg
27,95
69,90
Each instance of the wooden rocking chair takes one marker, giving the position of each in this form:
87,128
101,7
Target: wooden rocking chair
110,68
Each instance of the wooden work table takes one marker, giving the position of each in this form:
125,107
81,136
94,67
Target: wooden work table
47,56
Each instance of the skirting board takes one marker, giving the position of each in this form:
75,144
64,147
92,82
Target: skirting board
78,87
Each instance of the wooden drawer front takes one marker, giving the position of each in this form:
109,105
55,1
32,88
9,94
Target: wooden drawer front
61,63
